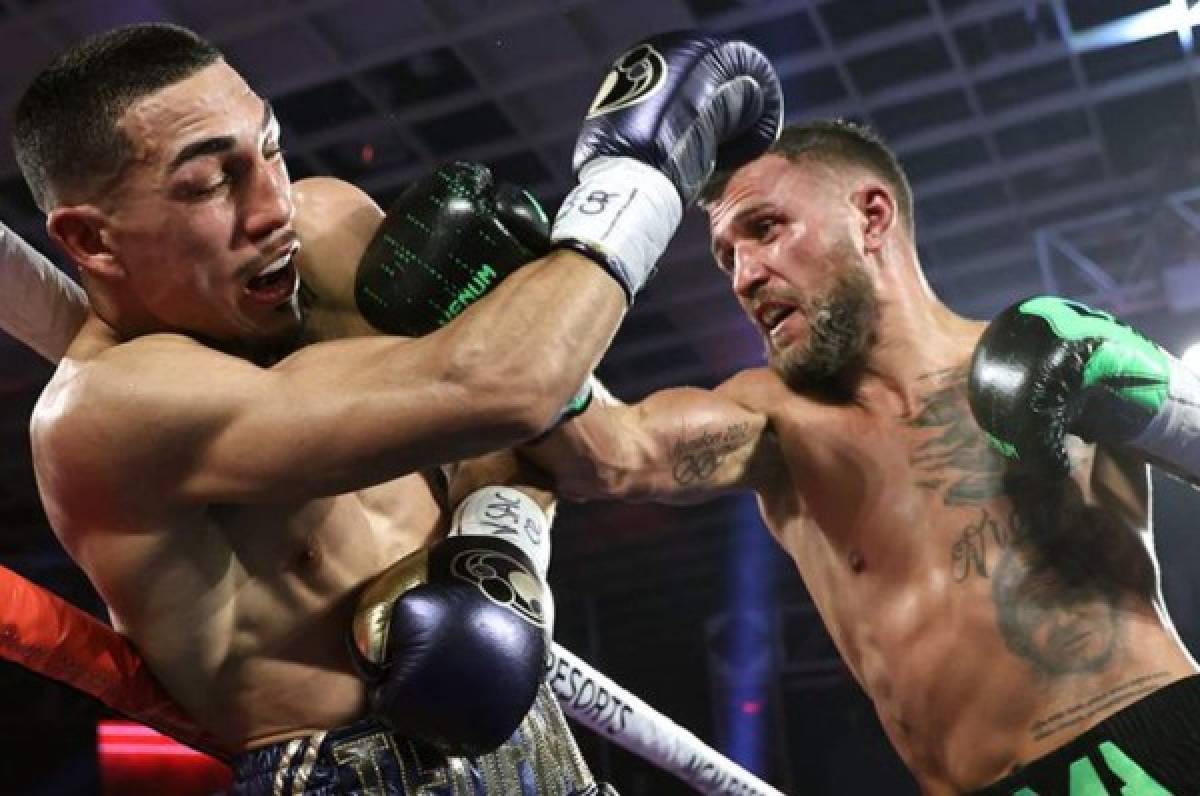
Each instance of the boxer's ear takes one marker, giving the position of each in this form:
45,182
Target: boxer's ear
877,207
79,230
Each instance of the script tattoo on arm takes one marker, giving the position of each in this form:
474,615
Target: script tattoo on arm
696,458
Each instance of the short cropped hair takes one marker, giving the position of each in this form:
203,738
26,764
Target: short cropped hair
835,142
65,132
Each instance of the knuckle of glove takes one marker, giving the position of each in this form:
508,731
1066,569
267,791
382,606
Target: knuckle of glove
760,117
461,659
1019,391
679,101
524,218
444,243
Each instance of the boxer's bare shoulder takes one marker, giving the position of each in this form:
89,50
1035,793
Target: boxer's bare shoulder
334,222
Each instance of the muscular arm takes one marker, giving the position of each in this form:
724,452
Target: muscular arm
335,221
681,445
194,425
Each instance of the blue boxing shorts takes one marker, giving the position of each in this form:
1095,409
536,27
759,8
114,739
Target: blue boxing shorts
1148,748
366,759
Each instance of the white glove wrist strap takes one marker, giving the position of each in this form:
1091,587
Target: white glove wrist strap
1172,438
626,212
508,514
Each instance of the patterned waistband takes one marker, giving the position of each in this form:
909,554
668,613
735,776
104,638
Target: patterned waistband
366,759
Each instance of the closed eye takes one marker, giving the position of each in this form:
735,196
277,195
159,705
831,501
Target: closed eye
202,187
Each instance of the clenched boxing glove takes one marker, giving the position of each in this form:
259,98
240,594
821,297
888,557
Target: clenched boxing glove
670,108
445,242
450,640
1047,367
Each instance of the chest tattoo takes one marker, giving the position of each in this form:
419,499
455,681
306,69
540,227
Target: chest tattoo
991,532
953,458
1056,568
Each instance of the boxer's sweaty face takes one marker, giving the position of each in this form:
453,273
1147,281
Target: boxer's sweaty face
201,220
784,234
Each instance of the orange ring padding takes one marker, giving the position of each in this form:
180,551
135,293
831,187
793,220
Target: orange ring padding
53,638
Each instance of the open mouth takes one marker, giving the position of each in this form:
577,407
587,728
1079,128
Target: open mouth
276,283
771,316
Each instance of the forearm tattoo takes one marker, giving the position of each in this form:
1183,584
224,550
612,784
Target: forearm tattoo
696,458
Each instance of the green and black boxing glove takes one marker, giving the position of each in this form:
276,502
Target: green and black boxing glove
1047,367
445,243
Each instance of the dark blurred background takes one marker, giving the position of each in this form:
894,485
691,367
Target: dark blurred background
1053,146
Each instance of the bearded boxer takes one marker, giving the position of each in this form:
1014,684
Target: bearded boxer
229,491
1001,604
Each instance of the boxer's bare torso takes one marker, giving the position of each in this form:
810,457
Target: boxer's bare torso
241,609
981,647
990,621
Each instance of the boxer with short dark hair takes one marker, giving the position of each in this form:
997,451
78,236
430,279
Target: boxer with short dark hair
1000,604
243,489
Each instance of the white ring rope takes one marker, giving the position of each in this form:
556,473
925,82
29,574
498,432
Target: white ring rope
595,701
42,307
